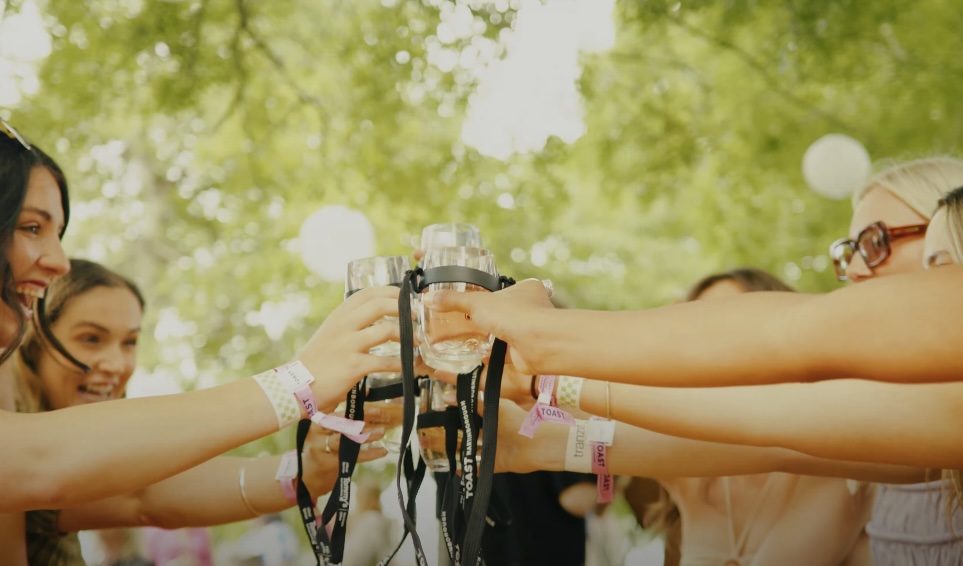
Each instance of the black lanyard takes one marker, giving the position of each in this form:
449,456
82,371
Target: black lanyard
330,550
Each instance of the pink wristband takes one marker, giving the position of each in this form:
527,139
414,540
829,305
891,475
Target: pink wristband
287,475
545,409
600,466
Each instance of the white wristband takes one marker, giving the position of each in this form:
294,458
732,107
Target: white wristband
569,391
578,456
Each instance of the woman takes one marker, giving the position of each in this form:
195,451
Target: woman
906,524
52,461
96,315
731,518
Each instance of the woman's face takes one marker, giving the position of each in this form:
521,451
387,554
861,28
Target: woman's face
100,328
35,254
880,205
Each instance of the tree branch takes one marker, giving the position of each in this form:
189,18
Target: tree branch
770,81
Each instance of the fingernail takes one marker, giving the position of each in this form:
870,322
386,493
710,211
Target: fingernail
377,430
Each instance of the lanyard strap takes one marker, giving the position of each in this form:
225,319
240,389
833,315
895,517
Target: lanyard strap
409,385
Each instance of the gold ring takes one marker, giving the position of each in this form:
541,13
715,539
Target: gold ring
327,443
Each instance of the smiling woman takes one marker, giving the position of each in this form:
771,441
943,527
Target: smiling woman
97,315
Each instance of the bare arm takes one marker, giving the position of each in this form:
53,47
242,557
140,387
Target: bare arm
753,338
848,419
209,494
641,452
63,458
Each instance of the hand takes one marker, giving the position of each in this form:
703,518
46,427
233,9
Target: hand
508,314
520,454
320,456
516,386
337,355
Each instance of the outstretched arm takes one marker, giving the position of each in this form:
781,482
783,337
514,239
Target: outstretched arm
847,419
210,494
66,457
903,328
640,452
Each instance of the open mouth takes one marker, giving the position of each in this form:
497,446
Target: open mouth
28,294
93,393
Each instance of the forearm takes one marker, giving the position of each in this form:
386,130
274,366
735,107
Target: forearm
911,425
643,453
63,458
206,495
762,337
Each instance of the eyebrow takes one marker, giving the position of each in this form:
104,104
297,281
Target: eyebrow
103,329
46,214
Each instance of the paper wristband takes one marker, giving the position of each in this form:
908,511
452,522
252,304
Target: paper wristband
278,391
544,409
598,431
286,474
578,456
569,391
300,380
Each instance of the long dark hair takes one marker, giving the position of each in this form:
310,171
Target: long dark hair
17,162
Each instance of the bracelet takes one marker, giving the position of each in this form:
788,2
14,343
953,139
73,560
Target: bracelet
577,456
286,475
569,391
285,386
247,502
600,467
279,393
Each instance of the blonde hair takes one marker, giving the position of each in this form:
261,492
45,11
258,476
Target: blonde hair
920,183
952,201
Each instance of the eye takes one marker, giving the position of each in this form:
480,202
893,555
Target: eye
132,342
31,228
89,339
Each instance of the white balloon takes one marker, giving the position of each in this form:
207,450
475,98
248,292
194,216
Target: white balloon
332,237
835,165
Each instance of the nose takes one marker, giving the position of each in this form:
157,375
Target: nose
113,362
857,270
54,259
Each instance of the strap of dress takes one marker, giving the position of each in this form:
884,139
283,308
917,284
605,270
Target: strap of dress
738,548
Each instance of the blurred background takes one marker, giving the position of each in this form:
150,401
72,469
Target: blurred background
232,155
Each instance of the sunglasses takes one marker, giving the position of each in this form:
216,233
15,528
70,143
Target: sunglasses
872,243
12,133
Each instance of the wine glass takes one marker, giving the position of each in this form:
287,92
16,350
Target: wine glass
372,272
450,341
450,234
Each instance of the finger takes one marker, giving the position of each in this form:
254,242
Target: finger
375,433
369,453
445,301
372,308
378,333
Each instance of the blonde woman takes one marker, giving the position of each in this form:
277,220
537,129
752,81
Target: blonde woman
888,224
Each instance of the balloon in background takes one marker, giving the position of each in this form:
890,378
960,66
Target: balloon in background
835,165
333,236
